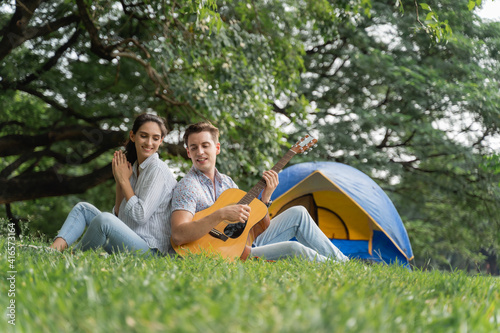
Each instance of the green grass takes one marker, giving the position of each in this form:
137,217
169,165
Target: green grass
86,292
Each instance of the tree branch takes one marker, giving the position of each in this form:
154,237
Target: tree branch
14,32
65,110
10,123
7,171
20,144
49,183
161,86
96,46
53,60
50,27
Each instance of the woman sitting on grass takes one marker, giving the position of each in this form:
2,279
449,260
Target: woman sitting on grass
144,186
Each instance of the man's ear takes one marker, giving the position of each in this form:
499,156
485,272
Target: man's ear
217,147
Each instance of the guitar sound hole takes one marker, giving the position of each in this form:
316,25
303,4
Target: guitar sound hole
234,230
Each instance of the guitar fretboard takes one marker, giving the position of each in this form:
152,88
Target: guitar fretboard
255,191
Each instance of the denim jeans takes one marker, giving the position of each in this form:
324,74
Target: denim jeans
103,230
311,244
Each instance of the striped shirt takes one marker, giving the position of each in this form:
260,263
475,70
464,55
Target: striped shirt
196,192
147,213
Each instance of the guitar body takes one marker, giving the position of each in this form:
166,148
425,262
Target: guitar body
230,248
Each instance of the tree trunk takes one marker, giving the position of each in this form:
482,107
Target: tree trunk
48,184
13,219
492,265
491,262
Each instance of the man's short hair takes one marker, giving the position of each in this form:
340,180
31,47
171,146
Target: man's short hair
201,127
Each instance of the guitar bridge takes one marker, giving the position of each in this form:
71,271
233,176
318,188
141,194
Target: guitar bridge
217,234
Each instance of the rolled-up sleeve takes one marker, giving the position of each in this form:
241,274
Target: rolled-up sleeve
148,196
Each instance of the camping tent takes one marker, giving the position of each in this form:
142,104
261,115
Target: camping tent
349,207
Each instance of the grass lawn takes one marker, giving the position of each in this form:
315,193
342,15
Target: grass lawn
88,292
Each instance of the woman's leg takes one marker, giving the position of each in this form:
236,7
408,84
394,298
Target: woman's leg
109,232
296,222
78,219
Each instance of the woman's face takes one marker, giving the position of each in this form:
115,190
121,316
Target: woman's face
147,140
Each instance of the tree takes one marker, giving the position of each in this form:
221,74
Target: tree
416,113
64,106
89,66
417,116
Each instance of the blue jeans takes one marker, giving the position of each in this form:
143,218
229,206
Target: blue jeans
103,230
313,245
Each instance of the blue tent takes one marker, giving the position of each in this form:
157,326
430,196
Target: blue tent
349,207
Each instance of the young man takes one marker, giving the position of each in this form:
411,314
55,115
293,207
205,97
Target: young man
203,184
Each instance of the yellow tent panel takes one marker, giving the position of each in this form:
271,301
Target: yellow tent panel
340,218
337,215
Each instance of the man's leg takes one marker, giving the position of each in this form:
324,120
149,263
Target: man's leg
287,249
296,222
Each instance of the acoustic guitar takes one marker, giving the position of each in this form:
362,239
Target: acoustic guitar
231,239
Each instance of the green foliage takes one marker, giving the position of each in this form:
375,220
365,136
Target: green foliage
439,30
416,116
187,61
87,292
492,164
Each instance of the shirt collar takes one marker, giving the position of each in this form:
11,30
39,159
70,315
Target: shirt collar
146,162
204,178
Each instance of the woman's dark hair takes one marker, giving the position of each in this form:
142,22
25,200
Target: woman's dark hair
130,151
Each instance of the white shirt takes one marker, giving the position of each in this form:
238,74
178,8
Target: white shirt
147,213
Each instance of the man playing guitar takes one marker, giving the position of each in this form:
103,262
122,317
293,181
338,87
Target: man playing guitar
204,184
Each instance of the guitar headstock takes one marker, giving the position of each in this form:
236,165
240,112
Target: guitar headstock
304,144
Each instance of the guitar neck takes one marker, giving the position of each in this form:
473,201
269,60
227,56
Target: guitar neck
255,191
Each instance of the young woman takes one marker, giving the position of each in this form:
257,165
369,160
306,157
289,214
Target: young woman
144,186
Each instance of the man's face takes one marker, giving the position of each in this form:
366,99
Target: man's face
202,150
